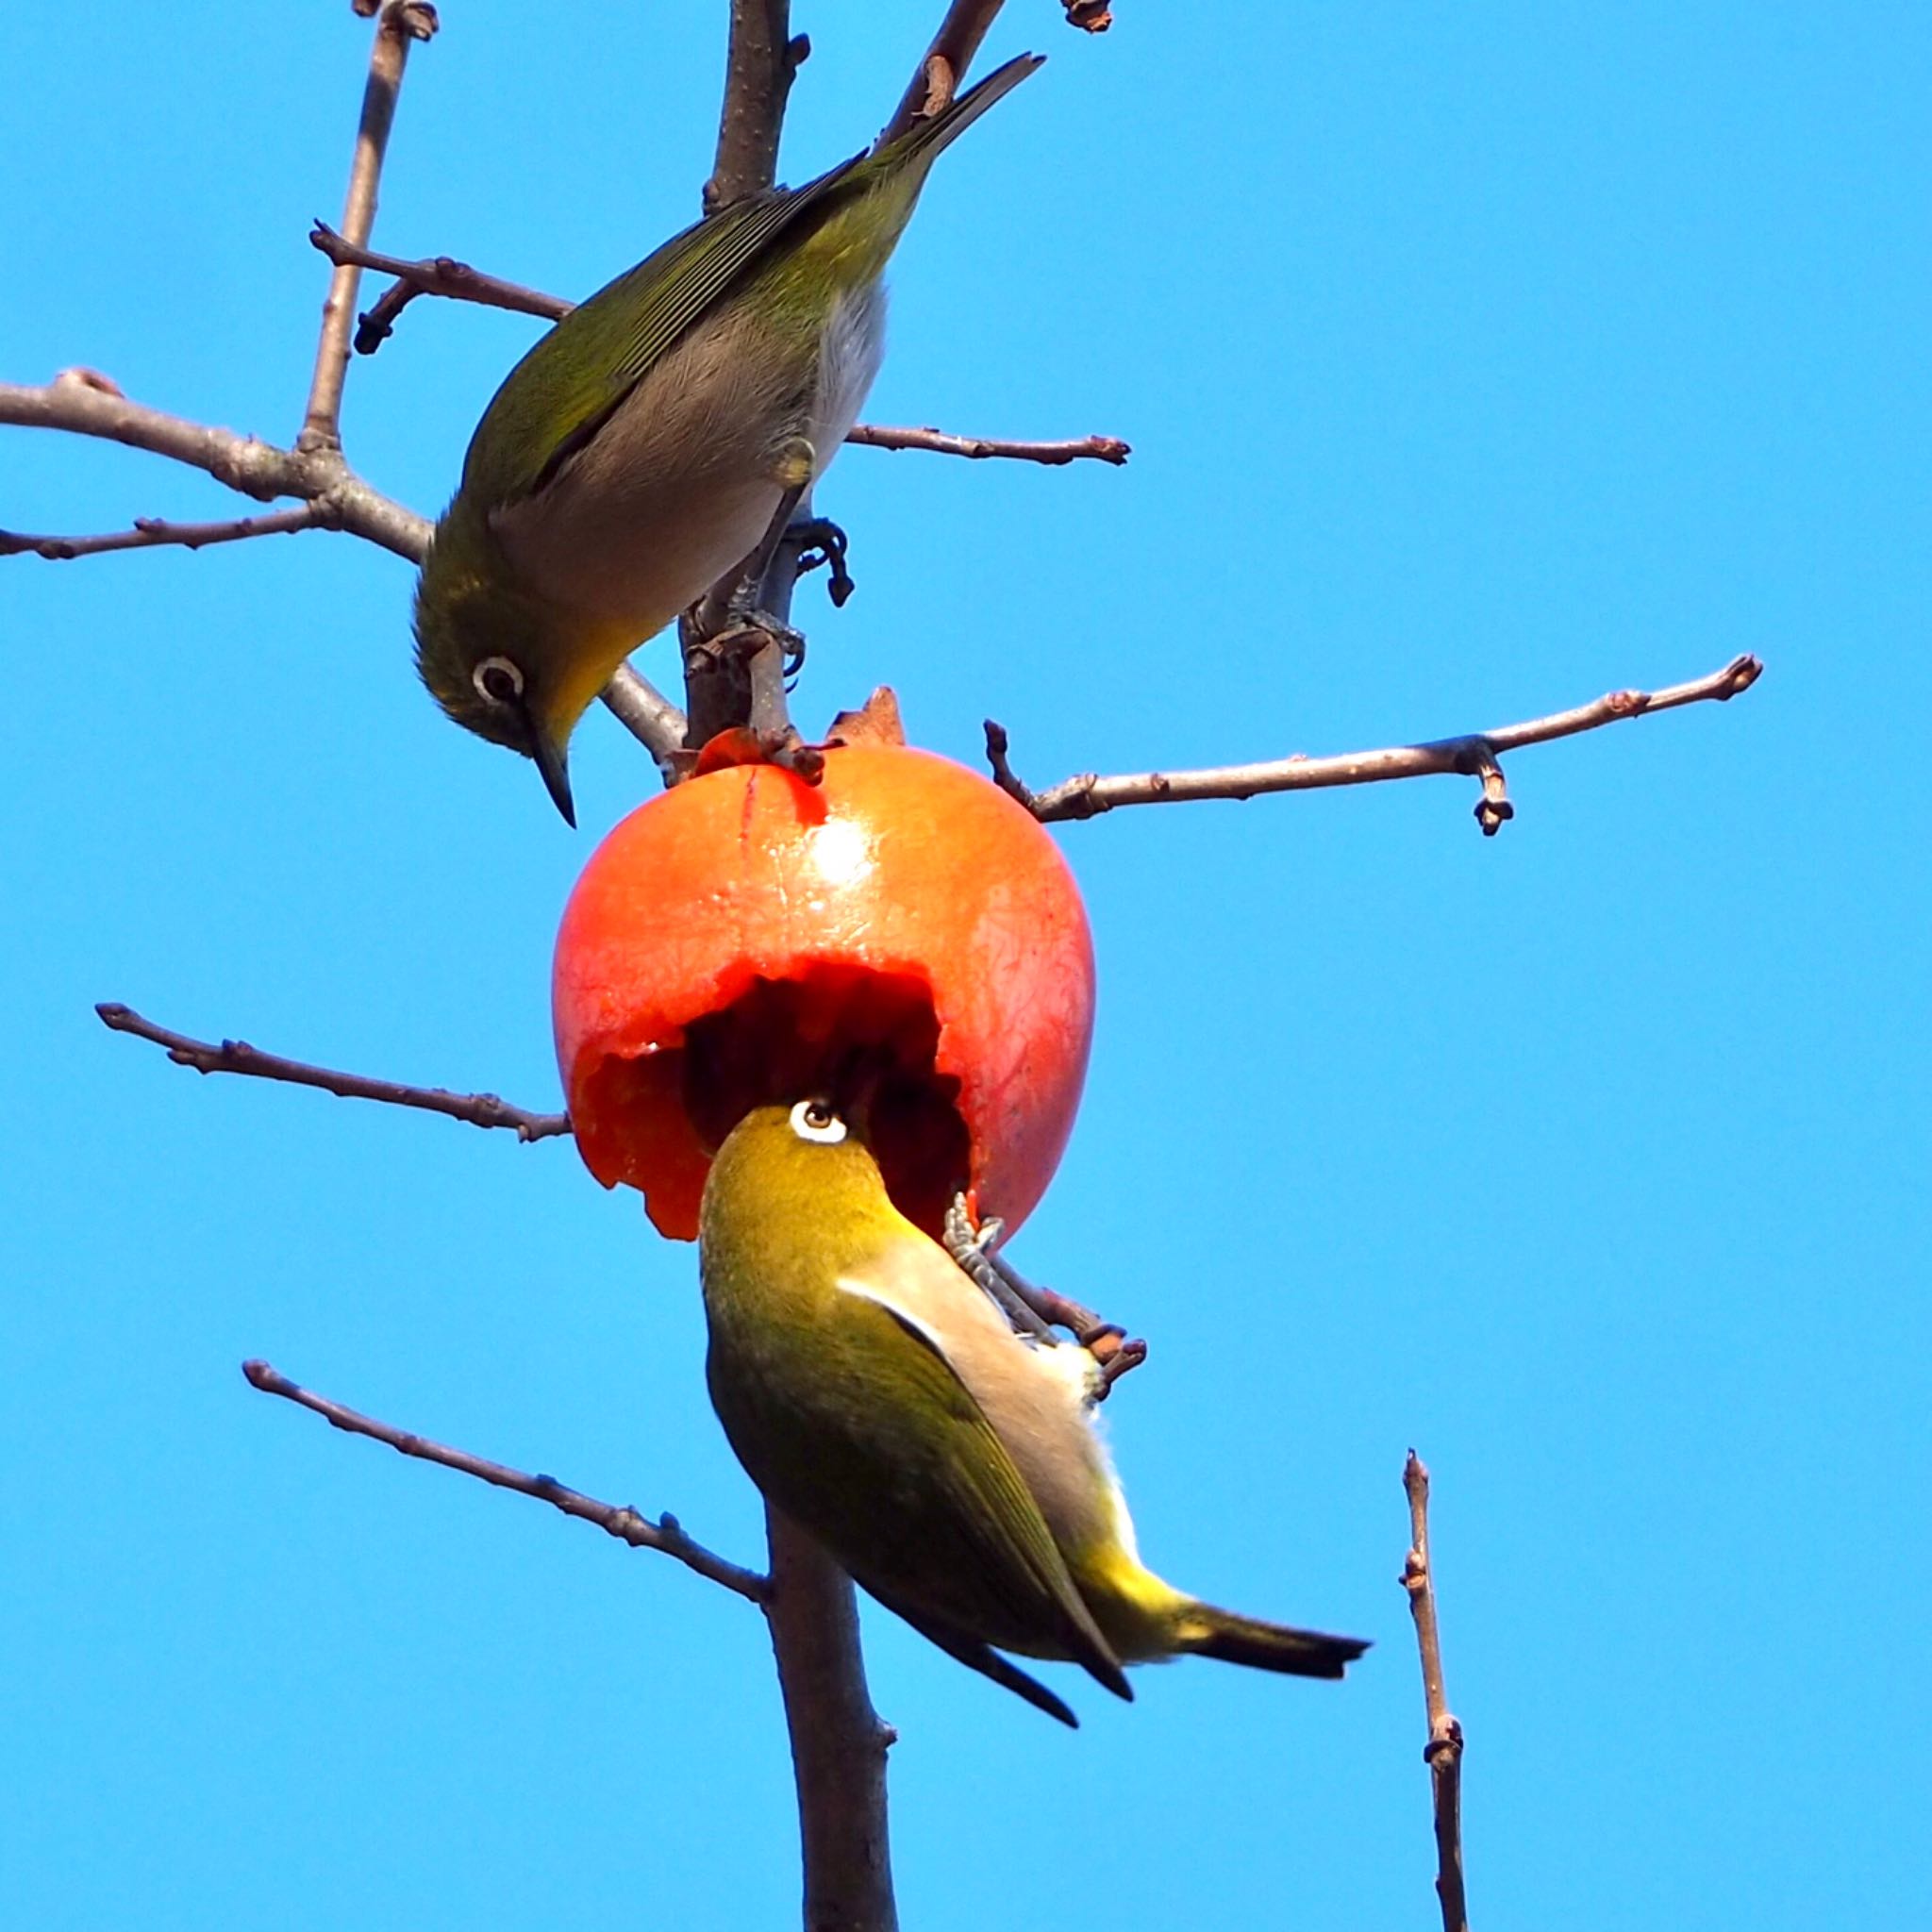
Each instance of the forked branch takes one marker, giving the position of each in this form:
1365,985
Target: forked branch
314,471
838,1743
85,402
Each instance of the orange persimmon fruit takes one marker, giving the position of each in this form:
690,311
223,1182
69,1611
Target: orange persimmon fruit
748,938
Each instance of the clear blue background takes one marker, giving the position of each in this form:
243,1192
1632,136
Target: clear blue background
1478,359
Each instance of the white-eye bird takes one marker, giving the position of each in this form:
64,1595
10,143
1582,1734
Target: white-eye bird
661,433
880,1400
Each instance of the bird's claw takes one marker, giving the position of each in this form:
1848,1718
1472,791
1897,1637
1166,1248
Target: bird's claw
990,1234
748,629
1035,1311
823,543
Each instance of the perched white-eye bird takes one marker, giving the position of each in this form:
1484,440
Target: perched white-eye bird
660,434
880,1400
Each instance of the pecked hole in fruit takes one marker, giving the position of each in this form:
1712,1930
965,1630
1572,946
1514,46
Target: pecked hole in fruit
867,1038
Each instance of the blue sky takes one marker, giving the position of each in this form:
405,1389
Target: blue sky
1476,359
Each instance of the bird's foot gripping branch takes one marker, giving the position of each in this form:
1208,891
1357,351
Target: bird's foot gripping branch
1032,1310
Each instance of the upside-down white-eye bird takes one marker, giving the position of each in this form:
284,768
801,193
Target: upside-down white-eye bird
661,433
878,1398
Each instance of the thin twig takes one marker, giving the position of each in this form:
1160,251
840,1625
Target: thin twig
628,1525
398,23
377,323
439,275
238,1056
997,744
149,532
1473,756
1104,449
1443,1752
456,281
760,63
1107,1343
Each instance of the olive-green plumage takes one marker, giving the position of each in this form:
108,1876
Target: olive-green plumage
880,1399
650,442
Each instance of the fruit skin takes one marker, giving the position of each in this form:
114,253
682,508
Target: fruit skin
904,903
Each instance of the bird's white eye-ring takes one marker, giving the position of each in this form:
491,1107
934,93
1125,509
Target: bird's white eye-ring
498,681
813,1119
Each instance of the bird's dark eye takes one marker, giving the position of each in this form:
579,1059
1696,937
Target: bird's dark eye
498,680
815,1120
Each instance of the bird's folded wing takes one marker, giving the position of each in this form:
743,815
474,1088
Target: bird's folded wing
978,1657
575,378
935,1508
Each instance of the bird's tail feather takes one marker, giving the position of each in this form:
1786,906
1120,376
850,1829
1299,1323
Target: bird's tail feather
1206,1631
953,120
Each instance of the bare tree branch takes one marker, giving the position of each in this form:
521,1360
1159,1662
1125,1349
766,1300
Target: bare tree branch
1443,1752
937,77
1104,449
650,717
759,62
85,402
456,281
624,1522
438,275
735,676
238,1056
1474,754
148,532
397,23
838,1743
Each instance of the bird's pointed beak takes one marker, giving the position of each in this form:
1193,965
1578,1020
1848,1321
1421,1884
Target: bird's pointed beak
553,762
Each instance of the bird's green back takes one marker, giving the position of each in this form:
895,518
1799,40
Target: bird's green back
558,397
576,376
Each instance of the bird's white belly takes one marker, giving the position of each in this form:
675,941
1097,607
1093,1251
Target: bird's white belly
854,348
679,486
633,557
